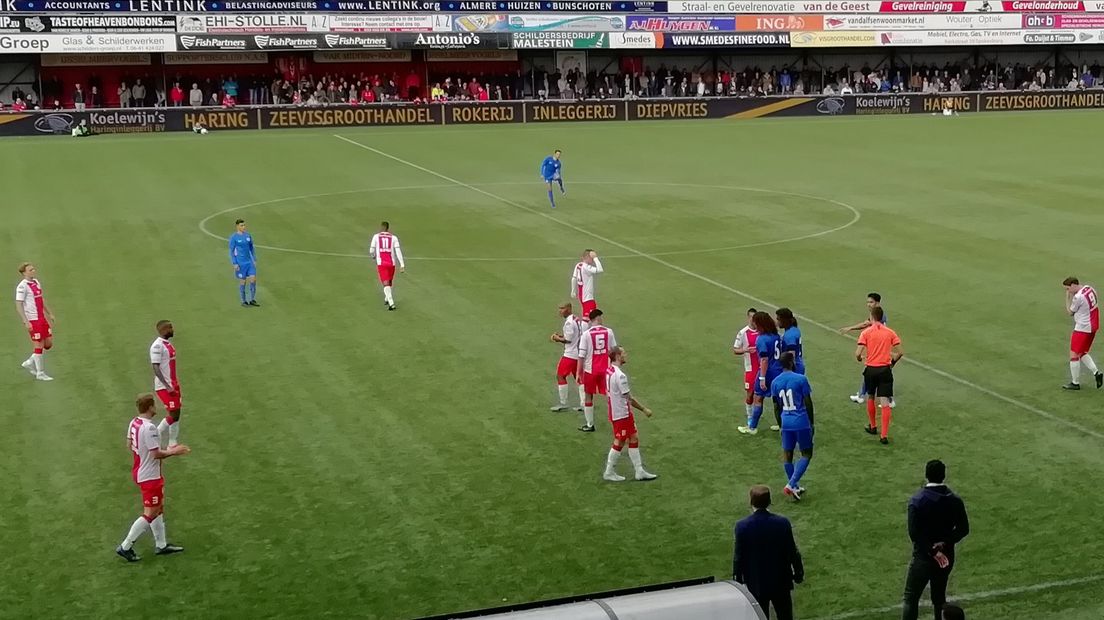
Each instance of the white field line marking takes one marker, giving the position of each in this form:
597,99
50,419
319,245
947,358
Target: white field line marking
855,217
974,596
697,276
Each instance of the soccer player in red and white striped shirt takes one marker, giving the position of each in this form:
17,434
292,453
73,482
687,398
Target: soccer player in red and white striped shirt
1081,304
621,404
744,346
36,317
145,445
569,363
385,249
594,348
165,382
582,280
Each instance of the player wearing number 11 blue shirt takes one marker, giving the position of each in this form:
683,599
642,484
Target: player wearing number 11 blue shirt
550,172
792,390
244,258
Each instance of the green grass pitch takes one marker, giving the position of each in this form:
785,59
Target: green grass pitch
351,462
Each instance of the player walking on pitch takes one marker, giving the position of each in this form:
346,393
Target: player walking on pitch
165,382
145,444
1081,305
621,404
793,391
37,319
768,347
385,249
594,347
744,346
244,259
550,173
569,362
582,280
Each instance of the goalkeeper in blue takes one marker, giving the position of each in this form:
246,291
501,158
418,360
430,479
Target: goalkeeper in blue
550,172
792,390
244,259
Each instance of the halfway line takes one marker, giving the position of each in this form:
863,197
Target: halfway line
655,259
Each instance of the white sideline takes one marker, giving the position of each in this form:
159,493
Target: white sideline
975,596
946,375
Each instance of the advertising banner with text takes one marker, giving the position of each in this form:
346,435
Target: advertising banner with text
87,23
920,38
779,23
283,42
53,43
679,23
350,116
882,6
717,39
981,21
268,23
560,40
451,41
1051,20
329,6
96,60
566,23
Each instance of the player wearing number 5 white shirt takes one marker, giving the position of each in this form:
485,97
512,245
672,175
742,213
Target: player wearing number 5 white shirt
582,280
594,347
621,404
145,445
1081,304
385,249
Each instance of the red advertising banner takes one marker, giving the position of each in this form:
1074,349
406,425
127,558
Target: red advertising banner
923,6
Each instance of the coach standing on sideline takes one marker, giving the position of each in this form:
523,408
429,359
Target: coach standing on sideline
936,523
765,558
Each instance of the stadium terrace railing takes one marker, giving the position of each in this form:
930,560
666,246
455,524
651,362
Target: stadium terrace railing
156,120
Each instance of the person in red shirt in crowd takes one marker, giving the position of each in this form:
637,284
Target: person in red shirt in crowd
18,106
483,96
413,85
176,95
474,88
368,96
297,97
228,101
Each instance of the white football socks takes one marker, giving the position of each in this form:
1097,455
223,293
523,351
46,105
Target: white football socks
1089,363
174,433
39,363
588,414
582,396
158,527
387,296
562,390
163,427
634,456
1075,372
611,460
136,530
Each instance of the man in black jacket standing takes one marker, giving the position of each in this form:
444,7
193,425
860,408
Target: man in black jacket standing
936,523
766,559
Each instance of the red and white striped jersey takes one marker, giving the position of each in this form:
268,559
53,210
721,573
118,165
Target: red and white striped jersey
582,279
143,438
594,348
29,293
617,393
385,249
572,331
163,355
1086,314
746,340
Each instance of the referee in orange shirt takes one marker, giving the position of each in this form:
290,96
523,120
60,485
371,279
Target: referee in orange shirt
880,348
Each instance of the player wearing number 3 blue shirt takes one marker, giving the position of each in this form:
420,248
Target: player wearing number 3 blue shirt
768,347
792,390
244,258
550,172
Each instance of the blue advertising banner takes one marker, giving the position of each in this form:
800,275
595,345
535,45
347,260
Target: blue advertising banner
679,23
353,6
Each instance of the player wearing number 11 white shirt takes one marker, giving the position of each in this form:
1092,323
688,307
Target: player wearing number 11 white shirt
385,249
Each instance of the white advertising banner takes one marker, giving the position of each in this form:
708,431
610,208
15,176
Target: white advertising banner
566,23
50,43
633,40
990,37
739,7
907,21
383,23
274,23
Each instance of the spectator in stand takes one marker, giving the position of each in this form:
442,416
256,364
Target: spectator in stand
32,100
19,105
936,523
95,99
195,97
176,95
297,98
78,98
138,94
765,557
124,95
473,89
230,87
228,101
56,105
413,85
159,100
214,101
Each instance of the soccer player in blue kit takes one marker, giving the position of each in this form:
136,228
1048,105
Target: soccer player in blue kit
791,342
768,346
244,258
792,390
550,172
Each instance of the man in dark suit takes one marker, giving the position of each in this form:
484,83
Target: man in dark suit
936,523
766,559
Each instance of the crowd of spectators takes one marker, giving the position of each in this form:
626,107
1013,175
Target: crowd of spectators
362,87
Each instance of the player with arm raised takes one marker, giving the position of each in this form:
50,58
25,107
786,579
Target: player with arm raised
385,249
621,404
594,347
551,173
243,256
145,445
583,281
37,319
1081,304
744,346
873,300
165,382
569,362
